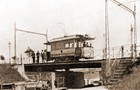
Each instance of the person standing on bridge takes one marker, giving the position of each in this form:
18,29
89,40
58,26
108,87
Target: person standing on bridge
122,49
37,55
42,56
45,55
33,56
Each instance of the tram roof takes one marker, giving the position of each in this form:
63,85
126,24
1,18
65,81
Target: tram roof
77,36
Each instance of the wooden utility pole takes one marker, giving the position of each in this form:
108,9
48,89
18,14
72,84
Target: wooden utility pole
106,61
131,41
107,50
135,31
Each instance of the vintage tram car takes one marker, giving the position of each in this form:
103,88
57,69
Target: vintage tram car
71,48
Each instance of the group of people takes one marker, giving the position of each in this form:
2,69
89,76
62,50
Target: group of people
85,44
36,56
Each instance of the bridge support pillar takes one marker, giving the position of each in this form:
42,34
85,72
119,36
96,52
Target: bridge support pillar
53,80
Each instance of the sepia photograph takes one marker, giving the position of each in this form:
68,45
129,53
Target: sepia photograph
69,45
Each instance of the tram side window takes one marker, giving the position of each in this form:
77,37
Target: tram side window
61,45
58,45
53,46
75,44
80,44
71,45
66,45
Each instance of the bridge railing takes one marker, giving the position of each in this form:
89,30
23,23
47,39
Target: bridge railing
113,52
114,64
138,51
116,53
116,61
124,51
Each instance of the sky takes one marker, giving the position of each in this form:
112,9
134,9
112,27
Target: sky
60,17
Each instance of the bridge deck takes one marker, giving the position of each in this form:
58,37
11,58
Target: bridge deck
52,66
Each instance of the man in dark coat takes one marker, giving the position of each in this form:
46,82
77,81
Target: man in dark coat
33,56
37,55
42,55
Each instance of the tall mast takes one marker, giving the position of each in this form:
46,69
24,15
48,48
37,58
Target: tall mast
15,40
107,36
106,61
131,41
135,31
